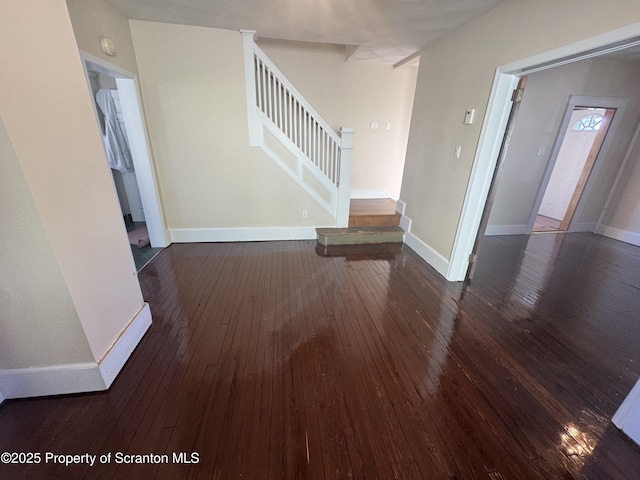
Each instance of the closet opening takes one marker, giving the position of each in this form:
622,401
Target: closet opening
121,123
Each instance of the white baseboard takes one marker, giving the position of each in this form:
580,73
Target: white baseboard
401,207
111,364
423,250
189,235
583,227
505,230
627,417
405,223
427,253
55,380
622,235
76,377
364,194
1,398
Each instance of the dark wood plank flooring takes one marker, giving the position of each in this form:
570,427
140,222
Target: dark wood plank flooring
271,361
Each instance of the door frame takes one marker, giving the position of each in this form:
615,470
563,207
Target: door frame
139,144
619,104
494,124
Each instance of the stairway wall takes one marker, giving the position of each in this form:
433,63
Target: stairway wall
212,183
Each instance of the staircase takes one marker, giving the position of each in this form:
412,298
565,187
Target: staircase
371,221
286,127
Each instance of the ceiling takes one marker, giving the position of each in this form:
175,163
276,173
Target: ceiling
376,31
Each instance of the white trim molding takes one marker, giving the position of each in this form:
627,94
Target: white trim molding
247,234
366,194
427,253
627,417
506,230
405,223
621,235
52,380
117,356
493,128
1,398
424,251
76,377
582,227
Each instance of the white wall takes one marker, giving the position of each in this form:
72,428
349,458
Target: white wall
352,94
192,82
52,128
545,101
456,73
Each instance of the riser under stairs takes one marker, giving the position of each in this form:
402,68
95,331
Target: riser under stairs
373,221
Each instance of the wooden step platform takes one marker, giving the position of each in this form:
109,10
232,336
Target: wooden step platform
373,212
360,235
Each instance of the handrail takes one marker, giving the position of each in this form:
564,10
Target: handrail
260,53
295,118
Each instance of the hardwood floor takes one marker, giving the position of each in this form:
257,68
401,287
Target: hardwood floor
271,361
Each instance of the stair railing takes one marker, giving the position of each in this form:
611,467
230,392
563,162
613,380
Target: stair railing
276,110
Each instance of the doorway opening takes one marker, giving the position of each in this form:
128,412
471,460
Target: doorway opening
119,115
494,125
579,149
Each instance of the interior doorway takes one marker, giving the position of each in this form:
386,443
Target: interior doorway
119,115
579,149
494,125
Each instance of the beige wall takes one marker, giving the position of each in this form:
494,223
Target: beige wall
50,121
352,94
92,19
545,101
625,212
456,74
192,82
37,311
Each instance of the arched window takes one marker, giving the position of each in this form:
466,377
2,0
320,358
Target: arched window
588,123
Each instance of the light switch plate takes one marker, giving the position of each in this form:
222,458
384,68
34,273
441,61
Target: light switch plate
468,116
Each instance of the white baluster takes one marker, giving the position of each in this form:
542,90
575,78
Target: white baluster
280,104
295,121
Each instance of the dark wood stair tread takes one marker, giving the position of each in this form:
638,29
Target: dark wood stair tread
373,212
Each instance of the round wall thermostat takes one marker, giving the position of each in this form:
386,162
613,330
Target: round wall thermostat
108,46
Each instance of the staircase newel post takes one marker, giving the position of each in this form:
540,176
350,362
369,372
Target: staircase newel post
344,181
248,37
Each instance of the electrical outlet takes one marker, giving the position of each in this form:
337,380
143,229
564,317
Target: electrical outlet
374,125
305,214
457,151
